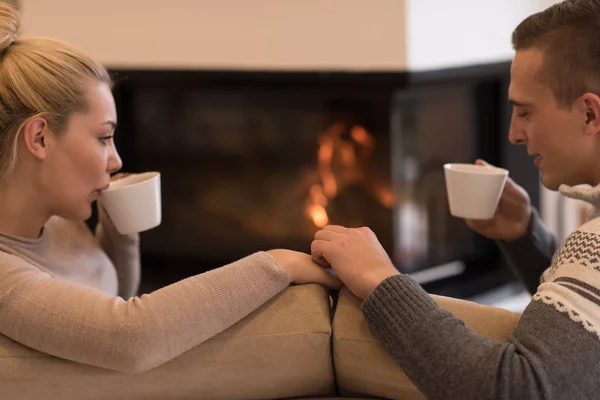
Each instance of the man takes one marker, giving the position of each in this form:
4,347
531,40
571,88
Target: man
555,350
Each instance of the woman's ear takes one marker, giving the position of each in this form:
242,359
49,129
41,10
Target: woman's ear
36,134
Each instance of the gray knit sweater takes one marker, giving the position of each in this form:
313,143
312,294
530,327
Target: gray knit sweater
553,354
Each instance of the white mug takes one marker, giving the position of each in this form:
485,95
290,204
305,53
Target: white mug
474,190
133,203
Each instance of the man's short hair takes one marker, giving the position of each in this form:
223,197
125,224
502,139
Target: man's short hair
569,35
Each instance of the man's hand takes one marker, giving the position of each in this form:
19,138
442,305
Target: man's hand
302,270
355,255
512,217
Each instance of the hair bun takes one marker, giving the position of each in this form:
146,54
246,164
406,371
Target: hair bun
9,25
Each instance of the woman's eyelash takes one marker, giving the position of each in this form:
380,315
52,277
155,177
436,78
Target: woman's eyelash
103,139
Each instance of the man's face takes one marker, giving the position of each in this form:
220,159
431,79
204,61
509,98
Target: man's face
556,136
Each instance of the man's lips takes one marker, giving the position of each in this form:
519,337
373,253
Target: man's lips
537,159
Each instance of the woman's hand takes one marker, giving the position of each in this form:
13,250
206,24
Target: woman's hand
302,270
355,255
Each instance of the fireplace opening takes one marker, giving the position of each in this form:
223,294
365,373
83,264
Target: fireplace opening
255,161
245,171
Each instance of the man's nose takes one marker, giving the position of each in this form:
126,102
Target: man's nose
516,132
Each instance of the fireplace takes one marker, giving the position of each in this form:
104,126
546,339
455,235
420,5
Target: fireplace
258,160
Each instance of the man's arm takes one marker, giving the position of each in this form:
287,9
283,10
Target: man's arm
551,354
532,254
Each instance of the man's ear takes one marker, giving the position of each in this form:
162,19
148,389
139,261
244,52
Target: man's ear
36,134
590,104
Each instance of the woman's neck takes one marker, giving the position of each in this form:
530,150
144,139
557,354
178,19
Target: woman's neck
21,212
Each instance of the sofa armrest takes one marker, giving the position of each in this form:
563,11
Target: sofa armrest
281,350
363,367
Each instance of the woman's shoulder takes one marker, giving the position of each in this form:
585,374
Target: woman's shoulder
59,238
12,263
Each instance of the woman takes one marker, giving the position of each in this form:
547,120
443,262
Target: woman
64,291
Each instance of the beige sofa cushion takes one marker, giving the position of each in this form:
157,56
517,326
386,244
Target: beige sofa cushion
281,350
363,367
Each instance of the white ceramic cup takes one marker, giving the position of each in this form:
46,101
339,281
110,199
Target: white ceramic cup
474,190
133,203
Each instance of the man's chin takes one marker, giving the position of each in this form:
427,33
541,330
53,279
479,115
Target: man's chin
549,183
553,182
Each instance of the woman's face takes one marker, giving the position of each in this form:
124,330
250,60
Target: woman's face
78,166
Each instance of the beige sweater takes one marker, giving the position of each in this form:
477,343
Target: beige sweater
68,294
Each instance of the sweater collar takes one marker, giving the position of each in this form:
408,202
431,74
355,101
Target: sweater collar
587,193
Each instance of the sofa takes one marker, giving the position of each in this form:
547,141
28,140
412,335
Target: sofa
295,346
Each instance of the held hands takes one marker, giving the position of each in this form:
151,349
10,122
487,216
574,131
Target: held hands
302,270
512,217
355,255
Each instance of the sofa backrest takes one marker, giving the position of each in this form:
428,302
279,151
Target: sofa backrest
284,349
281,350
362,366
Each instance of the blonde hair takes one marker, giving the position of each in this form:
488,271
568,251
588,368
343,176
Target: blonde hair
569,35
38,77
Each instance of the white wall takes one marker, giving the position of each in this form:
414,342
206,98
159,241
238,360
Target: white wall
228,34
285,34
442,33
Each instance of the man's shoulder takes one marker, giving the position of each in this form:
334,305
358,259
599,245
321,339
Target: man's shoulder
592,225
581,247
580,250
572,283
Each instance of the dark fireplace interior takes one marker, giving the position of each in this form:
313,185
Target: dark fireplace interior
259,160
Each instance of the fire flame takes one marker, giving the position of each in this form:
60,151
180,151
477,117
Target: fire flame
334,148
318,215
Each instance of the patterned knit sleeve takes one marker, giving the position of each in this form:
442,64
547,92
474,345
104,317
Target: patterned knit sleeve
532,254
553,353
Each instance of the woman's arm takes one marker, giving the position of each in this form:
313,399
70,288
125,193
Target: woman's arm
77,323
